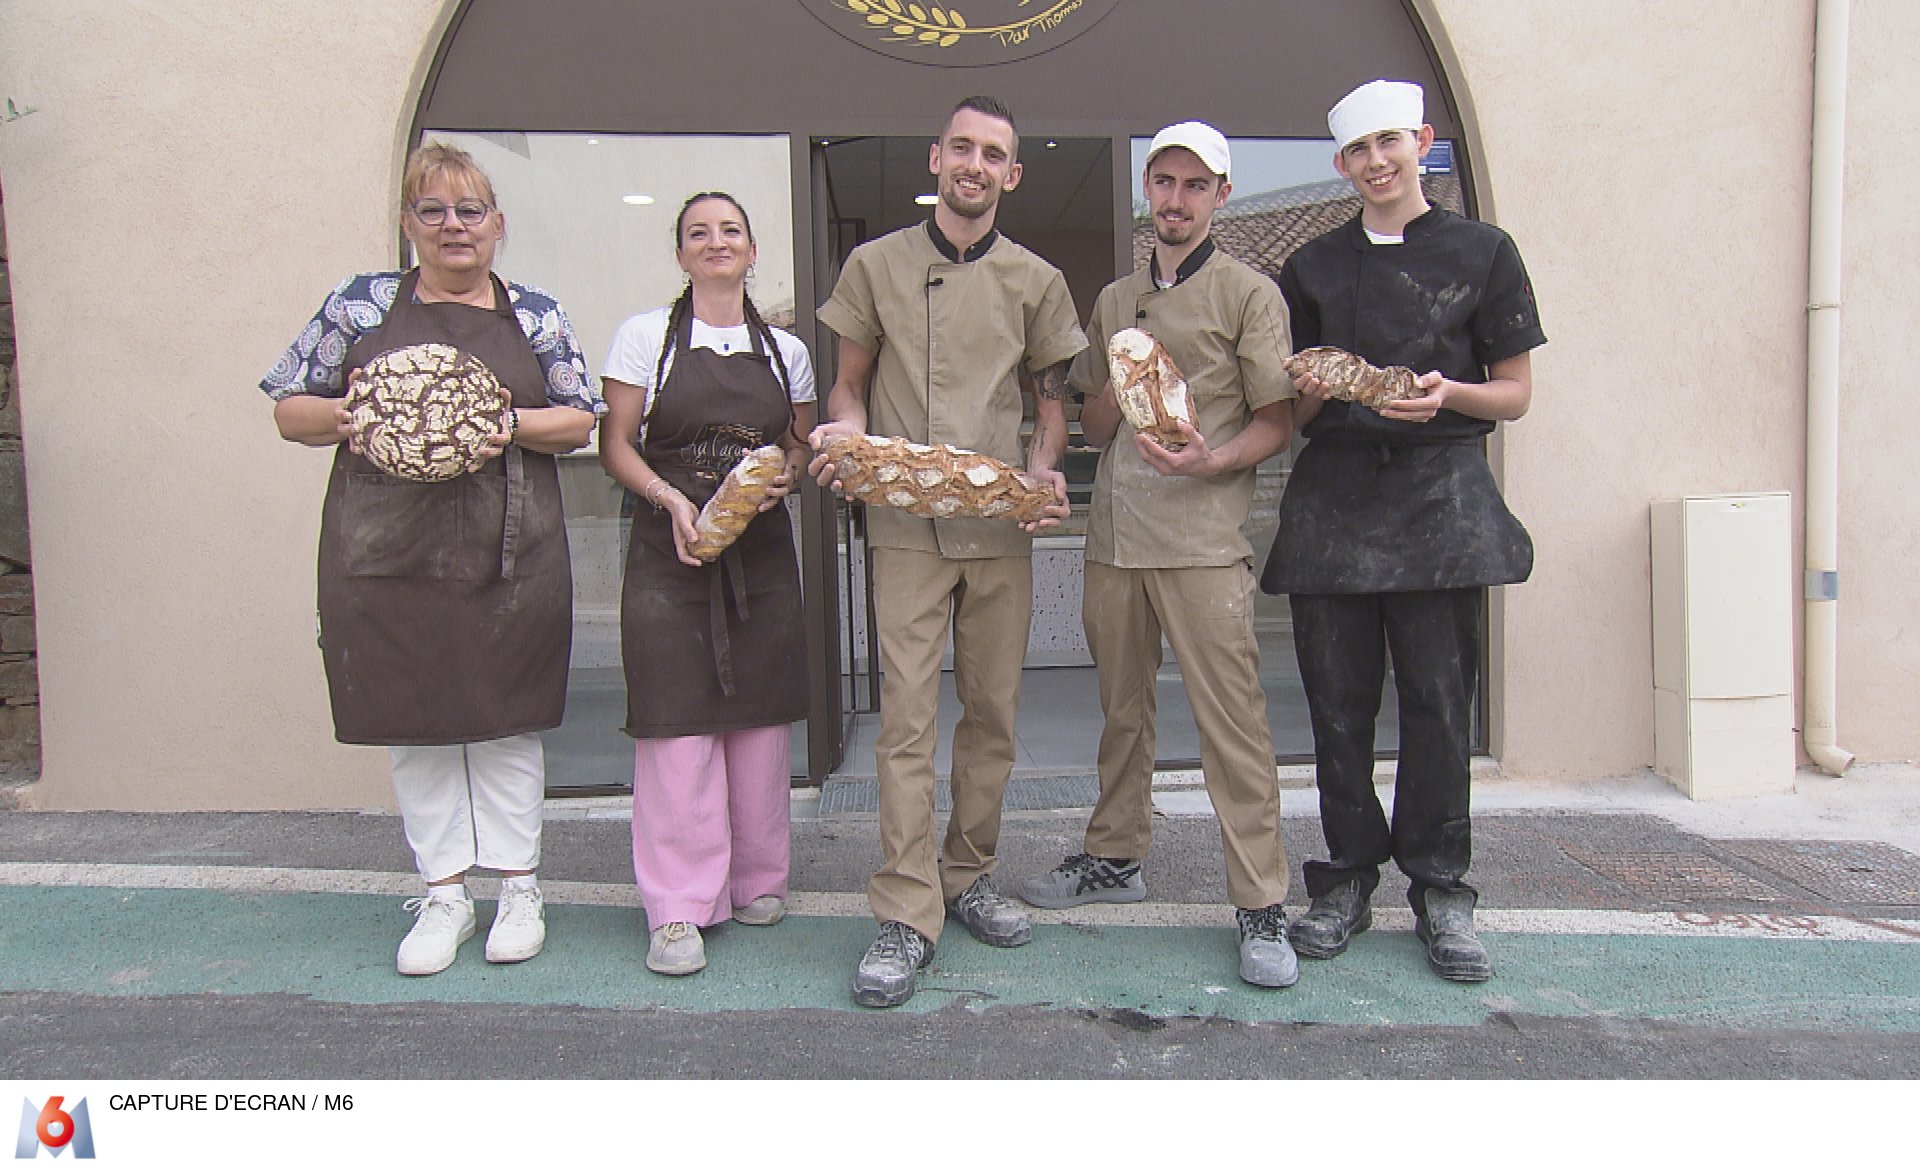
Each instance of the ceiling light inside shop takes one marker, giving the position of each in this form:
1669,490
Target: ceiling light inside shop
638,198
926,198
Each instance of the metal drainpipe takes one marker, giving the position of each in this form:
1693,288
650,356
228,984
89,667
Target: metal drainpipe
1823,385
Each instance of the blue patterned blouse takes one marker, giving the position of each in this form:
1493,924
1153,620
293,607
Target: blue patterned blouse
311,366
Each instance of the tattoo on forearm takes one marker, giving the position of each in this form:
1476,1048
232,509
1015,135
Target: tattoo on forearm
1037,446
1051,382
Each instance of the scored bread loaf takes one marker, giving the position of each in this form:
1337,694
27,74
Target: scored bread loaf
934,481
1346,376
427,411
726,515
1150,390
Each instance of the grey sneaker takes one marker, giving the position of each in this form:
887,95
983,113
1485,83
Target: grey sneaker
887,972
1332,920
1084,878
989,917
676,949
1266,958
1453,949
761,911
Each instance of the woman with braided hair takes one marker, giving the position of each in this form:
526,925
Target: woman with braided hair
714,653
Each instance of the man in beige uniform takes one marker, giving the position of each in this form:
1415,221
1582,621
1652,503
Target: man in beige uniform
1165,552
939,318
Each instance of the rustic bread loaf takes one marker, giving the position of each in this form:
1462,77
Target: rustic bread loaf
1150,390
725,516
425,412
934,481
1349,377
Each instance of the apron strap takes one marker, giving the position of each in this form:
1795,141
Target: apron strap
728,572
517,492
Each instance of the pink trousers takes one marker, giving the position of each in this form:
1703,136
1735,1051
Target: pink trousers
710,823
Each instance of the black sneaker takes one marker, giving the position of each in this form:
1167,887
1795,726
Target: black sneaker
887,972
1331,921
989,917
1084,878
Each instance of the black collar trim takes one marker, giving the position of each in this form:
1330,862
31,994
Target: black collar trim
1187,268
974,252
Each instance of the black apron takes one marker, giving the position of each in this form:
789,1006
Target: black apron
721,646
1361,516
1380,505
446,608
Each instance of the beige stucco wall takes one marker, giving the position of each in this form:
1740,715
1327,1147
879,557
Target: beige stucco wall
198,174
1652,160
1879,694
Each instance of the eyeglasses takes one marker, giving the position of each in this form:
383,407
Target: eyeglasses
433,214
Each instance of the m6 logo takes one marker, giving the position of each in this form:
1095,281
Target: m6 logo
54,1130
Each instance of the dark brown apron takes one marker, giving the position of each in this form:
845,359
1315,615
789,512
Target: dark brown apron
721,646
446,609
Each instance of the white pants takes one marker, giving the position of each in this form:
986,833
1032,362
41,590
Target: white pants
472,804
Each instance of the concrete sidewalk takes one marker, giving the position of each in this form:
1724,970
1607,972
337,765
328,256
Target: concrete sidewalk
1616,910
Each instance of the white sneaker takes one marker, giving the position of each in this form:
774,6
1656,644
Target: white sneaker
761,911
676,949
519,926
440,925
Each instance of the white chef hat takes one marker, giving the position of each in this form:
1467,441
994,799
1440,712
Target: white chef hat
1376,106
1205,142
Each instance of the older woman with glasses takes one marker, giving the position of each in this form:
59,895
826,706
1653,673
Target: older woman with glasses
446,606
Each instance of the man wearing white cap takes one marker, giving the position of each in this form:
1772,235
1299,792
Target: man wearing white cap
1165,554
1391,525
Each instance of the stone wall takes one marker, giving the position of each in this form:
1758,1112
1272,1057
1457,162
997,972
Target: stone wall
19,672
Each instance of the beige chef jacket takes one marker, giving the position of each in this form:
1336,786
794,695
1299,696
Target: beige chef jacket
1225,327
950,337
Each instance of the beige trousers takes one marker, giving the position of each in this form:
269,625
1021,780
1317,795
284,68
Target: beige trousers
988,604
1207,616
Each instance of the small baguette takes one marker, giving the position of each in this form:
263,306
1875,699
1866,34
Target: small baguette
1348,377
726,515
1151,392
935,481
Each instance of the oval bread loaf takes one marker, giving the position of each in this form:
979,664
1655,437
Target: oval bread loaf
1150,390
1349,377
726,515
935,481
425,412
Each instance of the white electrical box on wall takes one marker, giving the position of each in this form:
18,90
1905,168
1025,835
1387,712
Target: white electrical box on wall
1723,577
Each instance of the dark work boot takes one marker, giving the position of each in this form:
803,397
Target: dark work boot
1453,950
1331,920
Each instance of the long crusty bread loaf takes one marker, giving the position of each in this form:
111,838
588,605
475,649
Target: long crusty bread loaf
1348,377
934,481
725,516
1150,390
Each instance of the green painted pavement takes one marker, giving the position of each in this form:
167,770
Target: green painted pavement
339,948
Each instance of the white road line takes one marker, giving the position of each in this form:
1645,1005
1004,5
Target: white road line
1682,924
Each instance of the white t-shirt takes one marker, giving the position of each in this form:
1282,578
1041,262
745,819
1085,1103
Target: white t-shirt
636,352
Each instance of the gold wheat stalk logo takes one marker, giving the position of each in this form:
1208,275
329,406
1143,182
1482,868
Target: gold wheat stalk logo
943,27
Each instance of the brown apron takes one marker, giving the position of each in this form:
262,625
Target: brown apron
721,646
446,609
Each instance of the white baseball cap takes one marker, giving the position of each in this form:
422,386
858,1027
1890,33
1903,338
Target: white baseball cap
1210,145
1377,106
